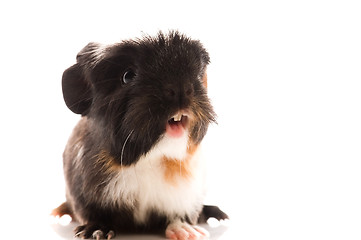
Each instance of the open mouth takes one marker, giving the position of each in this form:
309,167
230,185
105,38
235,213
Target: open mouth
177,125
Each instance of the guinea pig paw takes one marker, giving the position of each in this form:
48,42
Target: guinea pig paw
93,231
183,231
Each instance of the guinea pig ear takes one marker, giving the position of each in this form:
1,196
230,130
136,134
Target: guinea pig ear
77,88
77,91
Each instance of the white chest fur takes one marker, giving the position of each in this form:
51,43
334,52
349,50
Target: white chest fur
152,185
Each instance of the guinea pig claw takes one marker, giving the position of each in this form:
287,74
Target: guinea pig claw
80,234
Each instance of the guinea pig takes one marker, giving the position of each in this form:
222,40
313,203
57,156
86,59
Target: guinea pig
133,162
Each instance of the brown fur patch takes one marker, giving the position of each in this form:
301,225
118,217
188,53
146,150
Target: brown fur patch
205,80
63,209
107,162
191,149
175,169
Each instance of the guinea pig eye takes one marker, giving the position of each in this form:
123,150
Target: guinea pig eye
128,76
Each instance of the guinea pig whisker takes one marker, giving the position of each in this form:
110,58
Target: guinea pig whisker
125,142
80,101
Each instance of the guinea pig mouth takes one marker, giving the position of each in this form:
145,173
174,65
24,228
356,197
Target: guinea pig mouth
177,125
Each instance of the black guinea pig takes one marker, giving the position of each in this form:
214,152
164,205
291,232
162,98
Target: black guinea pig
133,161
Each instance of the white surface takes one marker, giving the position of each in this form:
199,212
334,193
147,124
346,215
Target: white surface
66,232
284,160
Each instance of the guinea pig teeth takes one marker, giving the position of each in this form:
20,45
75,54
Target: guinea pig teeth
177,117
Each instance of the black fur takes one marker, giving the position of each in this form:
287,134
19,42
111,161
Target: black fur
168,72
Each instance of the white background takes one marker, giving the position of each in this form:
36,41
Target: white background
285,80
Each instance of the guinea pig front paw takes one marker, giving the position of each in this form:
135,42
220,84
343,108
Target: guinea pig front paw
94,231
179,230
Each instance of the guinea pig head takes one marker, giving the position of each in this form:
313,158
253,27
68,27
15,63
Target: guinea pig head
138,91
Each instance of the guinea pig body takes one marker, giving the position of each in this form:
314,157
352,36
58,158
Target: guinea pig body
133,162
